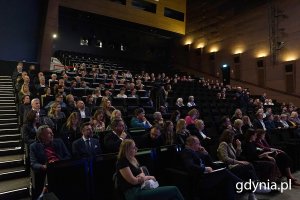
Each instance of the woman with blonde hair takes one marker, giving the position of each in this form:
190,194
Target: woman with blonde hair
70,130
56,115
181,132
107,107
24,91
130,177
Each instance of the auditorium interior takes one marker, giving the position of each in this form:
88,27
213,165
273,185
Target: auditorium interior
163,74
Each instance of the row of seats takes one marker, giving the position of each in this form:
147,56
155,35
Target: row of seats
92,178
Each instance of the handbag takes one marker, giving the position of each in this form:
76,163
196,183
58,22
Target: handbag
149,184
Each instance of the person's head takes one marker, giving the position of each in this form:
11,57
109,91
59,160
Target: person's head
283,117
128,150
139,113
53,77
89,99
270,117
191,99
116,114
35,104
251,135
294,115
118,126
238,123
31,117
26,99
26,79
24,88
179,102
238,113
157,116
80,105
194,113
70,99
44,134
199,124
42,80
155,132
259,115
227,136
261,134
55,107
193,143
181,125
225,121
246,120
86,130
99,115
73,119
276,118
169,126
59,98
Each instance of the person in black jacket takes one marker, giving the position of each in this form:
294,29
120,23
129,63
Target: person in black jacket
113,139
205,177
86,146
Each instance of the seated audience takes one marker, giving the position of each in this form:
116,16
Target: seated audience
205,178
84,112
191,102
113,139
130,177
264,164
229,154
181,132
70,130
192,116
140,121
46,150
168,133
86,146
98,121
154,138
283,161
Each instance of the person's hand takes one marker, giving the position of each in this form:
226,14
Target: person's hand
243,162
208,169
207,138
202,149
44,167
150,178
238,143
123,135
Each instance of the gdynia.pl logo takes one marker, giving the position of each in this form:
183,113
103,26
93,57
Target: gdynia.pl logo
263,187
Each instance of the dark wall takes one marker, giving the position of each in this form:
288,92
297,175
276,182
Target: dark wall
19,29
141,44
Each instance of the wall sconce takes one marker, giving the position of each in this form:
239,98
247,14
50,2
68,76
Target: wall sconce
236,58
187,47
212,56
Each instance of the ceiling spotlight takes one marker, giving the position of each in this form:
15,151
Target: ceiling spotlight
54,36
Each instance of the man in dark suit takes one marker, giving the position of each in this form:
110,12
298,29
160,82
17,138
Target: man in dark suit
259,123
45,150
84,112
113,139
86,146
205,178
